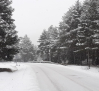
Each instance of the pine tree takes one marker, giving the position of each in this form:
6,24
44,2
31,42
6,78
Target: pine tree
8,34
27,50
44,42
69,27
89,26
48,41
53,39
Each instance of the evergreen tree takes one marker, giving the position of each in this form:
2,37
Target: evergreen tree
27,50
44,41
8,34
89,26
53,33
47,41
68,28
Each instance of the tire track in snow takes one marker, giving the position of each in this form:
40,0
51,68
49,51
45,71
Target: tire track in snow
44,73
71,79
58,89
24,72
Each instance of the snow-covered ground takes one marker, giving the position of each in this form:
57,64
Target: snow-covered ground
48,77
93,71
21,79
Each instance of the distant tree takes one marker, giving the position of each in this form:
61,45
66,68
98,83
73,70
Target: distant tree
8,34
47,41
44,41
27,50
53,39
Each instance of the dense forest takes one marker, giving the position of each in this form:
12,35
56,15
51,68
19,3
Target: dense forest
76,39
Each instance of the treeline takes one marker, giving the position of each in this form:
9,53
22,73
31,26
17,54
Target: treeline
76,39
27,50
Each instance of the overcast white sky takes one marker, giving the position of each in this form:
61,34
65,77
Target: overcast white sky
32,16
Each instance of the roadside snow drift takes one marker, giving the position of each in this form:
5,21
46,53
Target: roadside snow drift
8,67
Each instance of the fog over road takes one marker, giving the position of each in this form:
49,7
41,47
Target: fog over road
54,77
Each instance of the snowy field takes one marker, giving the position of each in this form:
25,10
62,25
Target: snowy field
24,76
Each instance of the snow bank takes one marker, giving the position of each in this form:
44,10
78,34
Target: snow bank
9,65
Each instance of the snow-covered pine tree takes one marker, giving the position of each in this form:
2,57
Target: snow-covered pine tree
68,28
44,41
53,39
47,41
27,50
89,26
8,34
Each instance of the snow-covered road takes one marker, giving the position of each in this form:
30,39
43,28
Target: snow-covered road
48,77
53,77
